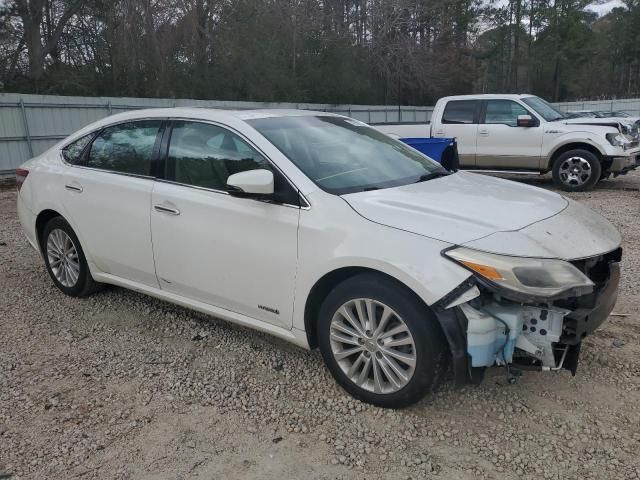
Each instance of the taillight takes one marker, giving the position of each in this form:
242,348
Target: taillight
21,176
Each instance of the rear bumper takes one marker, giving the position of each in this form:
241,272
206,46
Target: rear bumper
28,222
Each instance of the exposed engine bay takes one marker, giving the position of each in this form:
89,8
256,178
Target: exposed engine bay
496,330
533,334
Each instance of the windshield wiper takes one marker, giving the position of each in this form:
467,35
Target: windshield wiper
432,175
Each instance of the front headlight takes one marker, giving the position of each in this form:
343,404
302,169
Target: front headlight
618,140
531,277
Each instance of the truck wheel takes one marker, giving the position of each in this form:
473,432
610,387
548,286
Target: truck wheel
576,170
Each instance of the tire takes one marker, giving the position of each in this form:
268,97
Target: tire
73,278
419,341
576,170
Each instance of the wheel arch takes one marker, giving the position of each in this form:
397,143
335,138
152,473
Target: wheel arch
45,215
41,220
329,281
573,145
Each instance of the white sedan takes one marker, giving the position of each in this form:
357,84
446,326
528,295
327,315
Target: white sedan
320,230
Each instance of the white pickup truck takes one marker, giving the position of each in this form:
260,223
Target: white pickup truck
526,134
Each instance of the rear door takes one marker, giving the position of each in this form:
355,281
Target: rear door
108,199
235,253
502,144
460,120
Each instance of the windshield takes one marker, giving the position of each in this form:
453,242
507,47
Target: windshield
544,108
342,155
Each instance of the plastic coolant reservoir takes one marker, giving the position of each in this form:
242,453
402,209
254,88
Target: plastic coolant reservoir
487,342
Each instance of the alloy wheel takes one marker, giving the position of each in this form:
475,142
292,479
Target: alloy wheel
62,255
575,171
373,346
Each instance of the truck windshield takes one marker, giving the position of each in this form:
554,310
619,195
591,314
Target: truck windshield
544,108
342,155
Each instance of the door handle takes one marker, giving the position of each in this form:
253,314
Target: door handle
483,133
73,187
167,210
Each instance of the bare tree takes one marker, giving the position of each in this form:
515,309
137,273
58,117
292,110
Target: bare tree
39,46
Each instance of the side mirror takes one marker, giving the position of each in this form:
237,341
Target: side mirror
252,183
527,121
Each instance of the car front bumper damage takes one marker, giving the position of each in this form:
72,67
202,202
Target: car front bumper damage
484,327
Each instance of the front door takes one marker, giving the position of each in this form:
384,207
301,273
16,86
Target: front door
502,144
235,253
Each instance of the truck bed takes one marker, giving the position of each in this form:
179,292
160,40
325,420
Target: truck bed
405,130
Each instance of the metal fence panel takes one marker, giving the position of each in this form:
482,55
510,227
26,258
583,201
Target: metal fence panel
629,105
30,124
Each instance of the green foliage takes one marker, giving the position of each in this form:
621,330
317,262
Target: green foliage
328,51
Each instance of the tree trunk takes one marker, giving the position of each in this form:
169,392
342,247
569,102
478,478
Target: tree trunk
31,12
34,47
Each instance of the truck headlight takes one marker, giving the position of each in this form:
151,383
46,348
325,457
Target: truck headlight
526,277
617,140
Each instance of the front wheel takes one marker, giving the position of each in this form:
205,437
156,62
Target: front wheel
576,170
380,343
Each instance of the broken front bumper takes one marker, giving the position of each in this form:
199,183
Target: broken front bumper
623,165
484,327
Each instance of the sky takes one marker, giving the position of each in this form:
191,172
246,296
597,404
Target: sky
604,7
601,7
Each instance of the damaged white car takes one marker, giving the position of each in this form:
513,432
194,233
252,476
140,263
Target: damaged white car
322,231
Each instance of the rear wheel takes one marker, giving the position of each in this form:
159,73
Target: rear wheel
576,170
381,344
65,259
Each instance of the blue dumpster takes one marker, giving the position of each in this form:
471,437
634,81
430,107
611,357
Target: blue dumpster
442,150
431,147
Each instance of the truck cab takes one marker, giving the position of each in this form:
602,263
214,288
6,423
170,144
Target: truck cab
489,135
526,134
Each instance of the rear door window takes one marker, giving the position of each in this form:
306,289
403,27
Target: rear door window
460,112
125,148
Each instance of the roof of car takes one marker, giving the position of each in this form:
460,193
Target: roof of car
192,113
484,96
214,113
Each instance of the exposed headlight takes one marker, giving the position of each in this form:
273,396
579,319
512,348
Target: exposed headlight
618,140
529,277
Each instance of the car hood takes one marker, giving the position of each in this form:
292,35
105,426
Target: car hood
458,208
575,233
624,125
595,122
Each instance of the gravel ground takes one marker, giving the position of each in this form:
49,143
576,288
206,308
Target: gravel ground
120,385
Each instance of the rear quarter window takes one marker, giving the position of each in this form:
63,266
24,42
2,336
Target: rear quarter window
460,112
72,153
